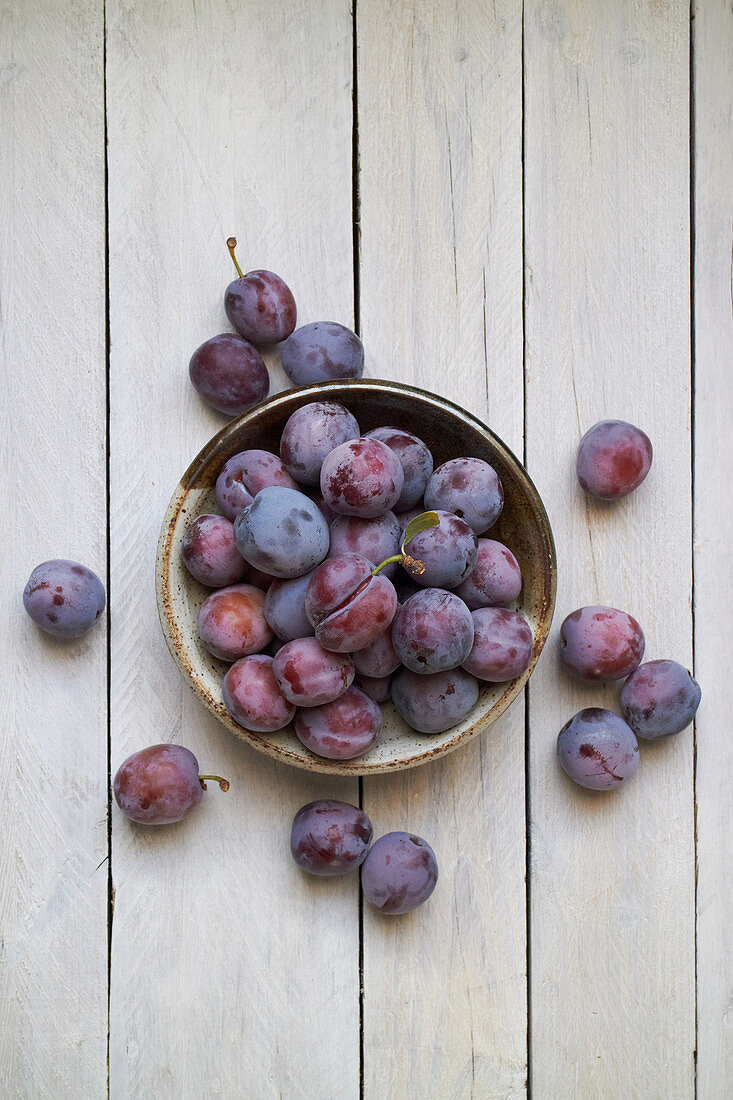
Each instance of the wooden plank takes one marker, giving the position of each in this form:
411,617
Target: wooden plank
53,742
713,102
232,975
441,301
608,335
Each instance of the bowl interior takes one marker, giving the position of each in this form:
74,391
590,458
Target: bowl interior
450,432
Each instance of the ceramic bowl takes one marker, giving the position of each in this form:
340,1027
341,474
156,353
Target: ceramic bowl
450,432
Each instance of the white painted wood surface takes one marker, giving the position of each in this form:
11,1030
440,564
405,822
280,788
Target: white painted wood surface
53,734
607,254
231,975
713,44
441,307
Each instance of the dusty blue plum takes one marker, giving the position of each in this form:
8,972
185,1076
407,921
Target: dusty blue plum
415,459
432,704
322,351
449,552
64,598
282,532
597,749
660,699
469,488
399,873
432,631
285,608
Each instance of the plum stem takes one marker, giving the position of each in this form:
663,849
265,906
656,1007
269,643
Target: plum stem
223,783
387,561
412,565
231,245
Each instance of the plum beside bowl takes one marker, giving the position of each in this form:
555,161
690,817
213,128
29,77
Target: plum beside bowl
450,432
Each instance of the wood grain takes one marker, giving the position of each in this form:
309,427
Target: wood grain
232,973
608,335
441,294
713,102
53,739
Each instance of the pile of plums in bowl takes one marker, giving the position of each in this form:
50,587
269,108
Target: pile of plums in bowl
356,576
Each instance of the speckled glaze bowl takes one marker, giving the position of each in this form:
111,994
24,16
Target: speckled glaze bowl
450,432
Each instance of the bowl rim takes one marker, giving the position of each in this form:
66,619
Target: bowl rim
172,633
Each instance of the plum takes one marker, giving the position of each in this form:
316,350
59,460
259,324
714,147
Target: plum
347,605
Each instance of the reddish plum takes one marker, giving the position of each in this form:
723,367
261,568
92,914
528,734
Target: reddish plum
243,476
210,553
258,578
378,658
317,498
377,688
252,696
361,478
502,645
399,873
375,539
432,631
310,434
349,606
330,837
309,675
340,730
229,374
597,749
601,643
64,598
613,459
160,785
448,551
496,580
260,305
469,488
415,459
232,622
660,699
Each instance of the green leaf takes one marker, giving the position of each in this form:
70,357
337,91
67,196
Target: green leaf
418,524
